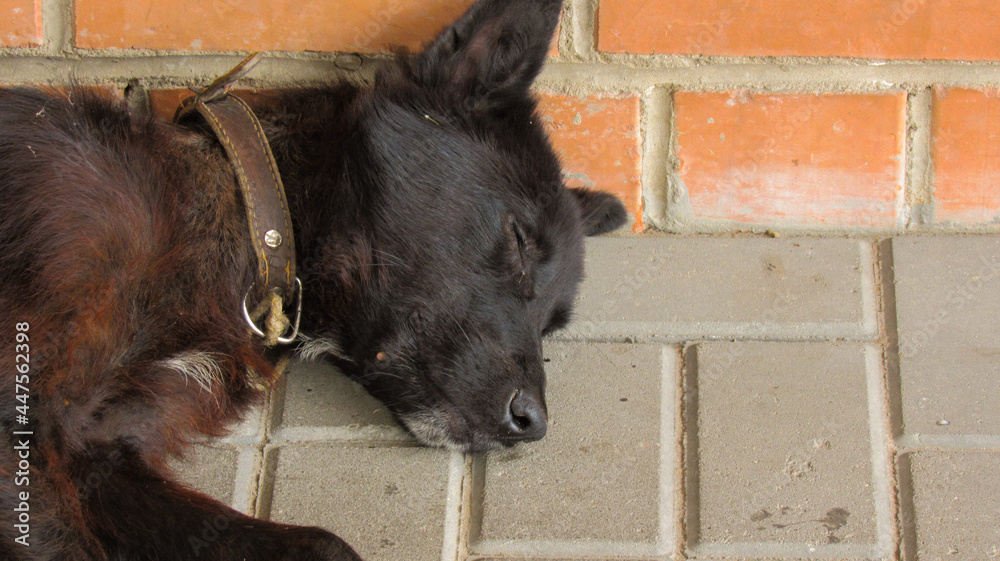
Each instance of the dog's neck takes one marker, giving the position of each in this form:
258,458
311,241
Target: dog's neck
311,133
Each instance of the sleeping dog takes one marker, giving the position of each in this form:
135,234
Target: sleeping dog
434,241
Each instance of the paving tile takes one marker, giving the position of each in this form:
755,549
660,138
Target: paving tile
320,402
689,288
957,508
547,559
388,503
211,469
782,459
593,484
947,297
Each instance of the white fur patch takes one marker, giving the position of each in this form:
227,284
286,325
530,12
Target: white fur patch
197,366
312,349
429,428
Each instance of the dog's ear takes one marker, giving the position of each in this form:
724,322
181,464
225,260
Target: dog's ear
601,212
491,55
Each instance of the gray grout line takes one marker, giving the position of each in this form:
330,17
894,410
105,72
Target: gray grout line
907,510
454,507
564,40
883,472
656,117
916,442
164,69
684,332
271,415
705,227
669,460
918,207
884,404
249,462
265,486
678,473
383,435
474,497
678,214
611,74
690,460
884,407
636,73
887,283
869,293
57,26
582,38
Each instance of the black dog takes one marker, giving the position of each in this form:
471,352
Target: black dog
436,245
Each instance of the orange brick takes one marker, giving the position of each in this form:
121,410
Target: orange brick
20,23
164,103
599,143
792,159
966,153
291,25
894,29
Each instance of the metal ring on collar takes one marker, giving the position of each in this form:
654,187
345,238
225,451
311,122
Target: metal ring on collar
295,325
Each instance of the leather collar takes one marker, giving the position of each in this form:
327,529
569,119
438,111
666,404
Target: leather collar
268,217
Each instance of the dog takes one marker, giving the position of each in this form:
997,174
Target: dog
436,246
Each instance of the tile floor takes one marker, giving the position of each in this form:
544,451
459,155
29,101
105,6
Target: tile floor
716,398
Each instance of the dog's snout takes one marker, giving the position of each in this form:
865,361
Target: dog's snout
525,419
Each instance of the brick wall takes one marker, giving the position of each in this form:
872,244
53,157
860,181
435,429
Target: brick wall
703,115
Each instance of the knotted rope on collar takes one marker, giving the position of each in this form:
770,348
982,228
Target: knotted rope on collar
276,322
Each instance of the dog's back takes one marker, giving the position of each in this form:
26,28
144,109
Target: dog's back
117,257
117,245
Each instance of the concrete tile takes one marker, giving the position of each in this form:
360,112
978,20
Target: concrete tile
682,288
318,402
781,461
593,483
317,394
549,559
211,469
388,503
956,506
947,297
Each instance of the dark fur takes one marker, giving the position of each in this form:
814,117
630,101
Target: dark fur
434,238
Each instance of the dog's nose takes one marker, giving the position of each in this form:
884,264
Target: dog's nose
525,419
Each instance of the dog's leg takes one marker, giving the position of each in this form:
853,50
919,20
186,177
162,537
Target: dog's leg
140,515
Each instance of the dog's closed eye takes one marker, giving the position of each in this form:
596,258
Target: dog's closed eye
522,257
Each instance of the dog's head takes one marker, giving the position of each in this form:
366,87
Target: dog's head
476,245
